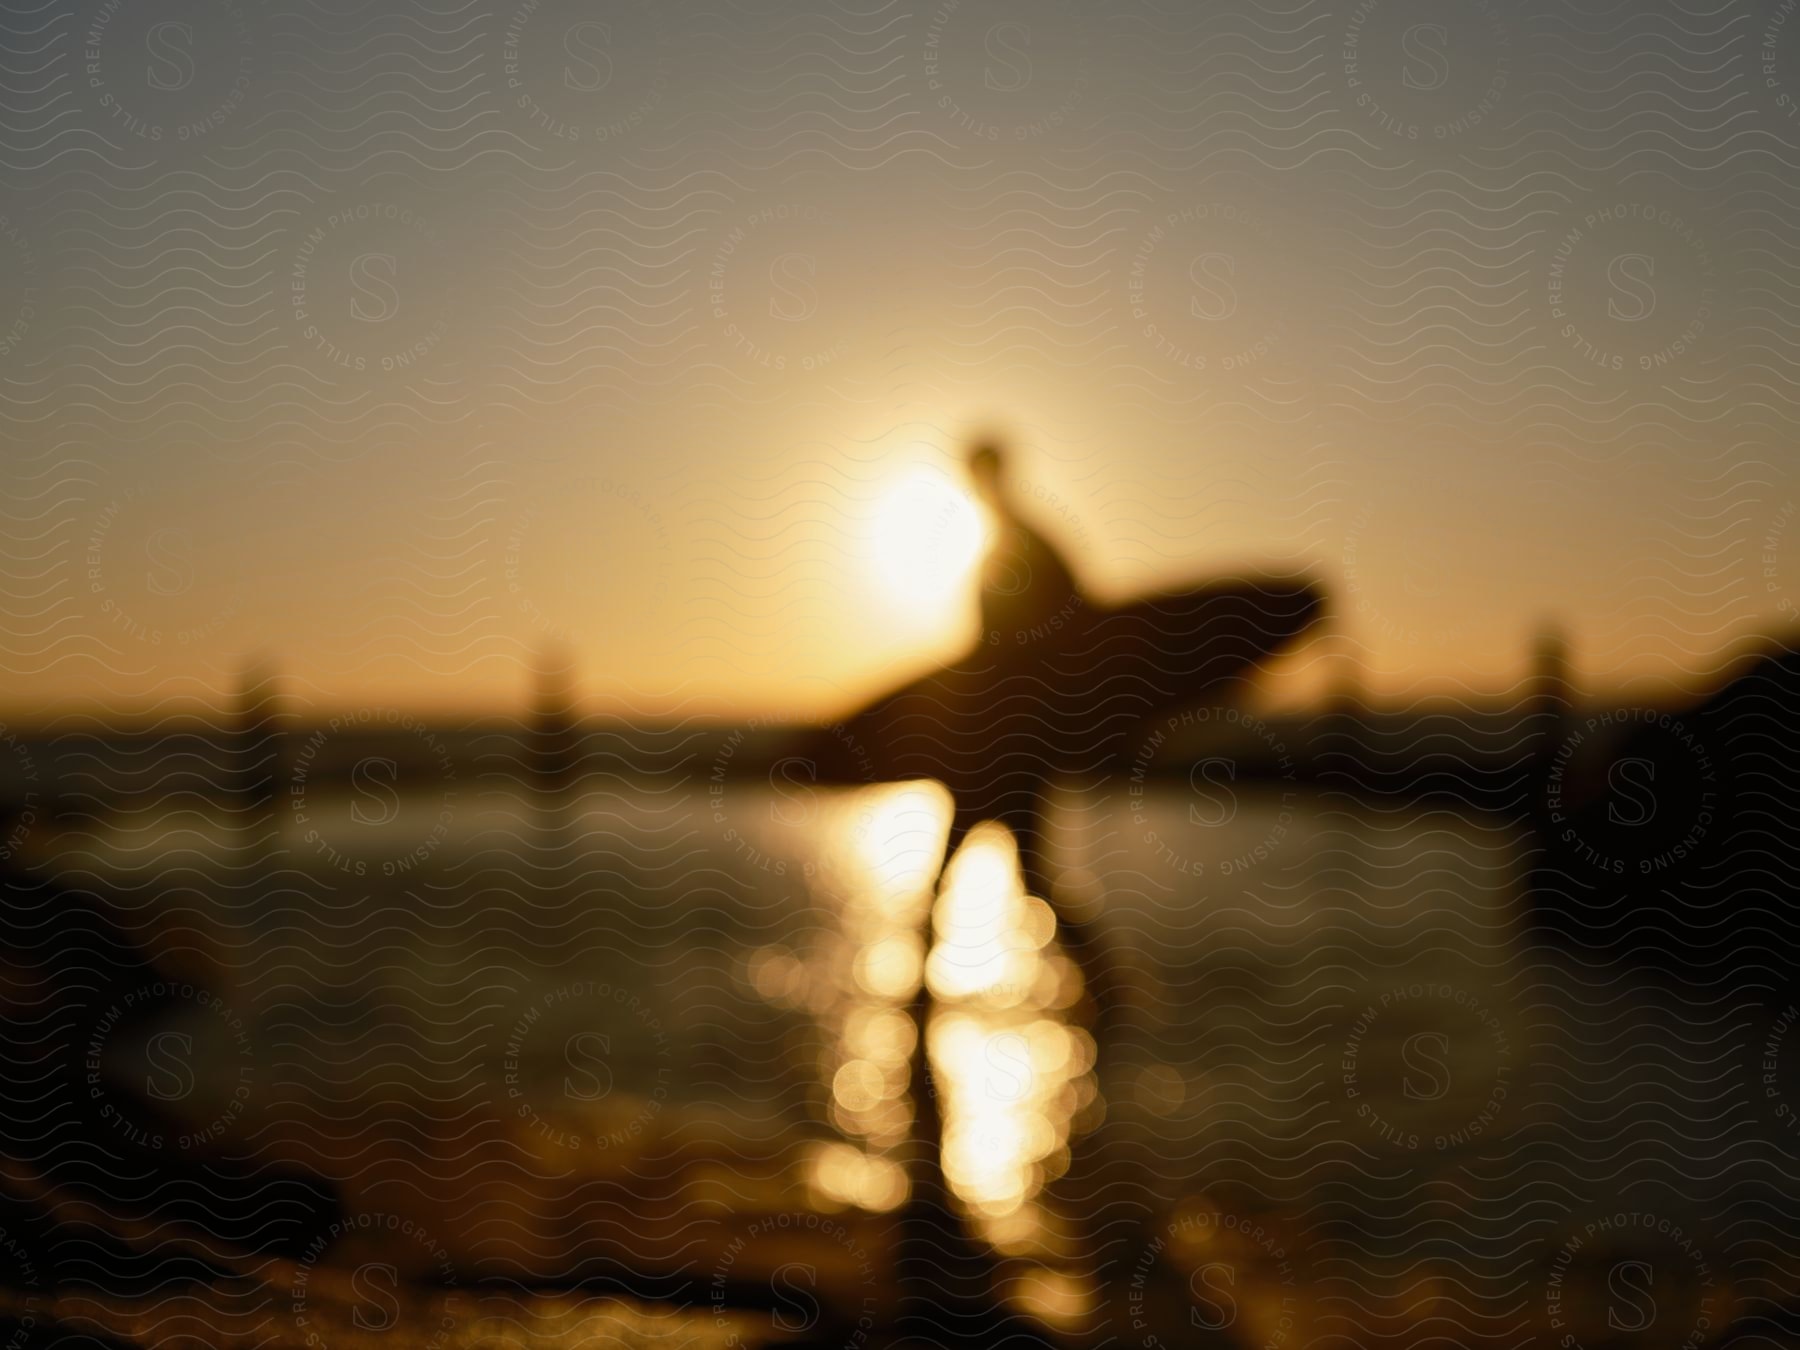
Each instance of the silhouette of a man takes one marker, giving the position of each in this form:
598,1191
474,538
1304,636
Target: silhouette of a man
1028,593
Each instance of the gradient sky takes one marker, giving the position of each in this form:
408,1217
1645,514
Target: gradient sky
401,342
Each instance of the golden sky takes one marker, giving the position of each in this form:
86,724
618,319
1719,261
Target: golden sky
638,340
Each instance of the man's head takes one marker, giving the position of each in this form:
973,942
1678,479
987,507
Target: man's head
986,463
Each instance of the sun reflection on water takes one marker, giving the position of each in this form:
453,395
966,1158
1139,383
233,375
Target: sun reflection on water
881,851
1013,1073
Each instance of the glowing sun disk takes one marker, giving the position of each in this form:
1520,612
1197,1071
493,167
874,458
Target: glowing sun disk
927,537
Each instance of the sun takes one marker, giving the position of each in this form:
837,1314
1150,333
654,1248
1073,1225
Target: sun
927,537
